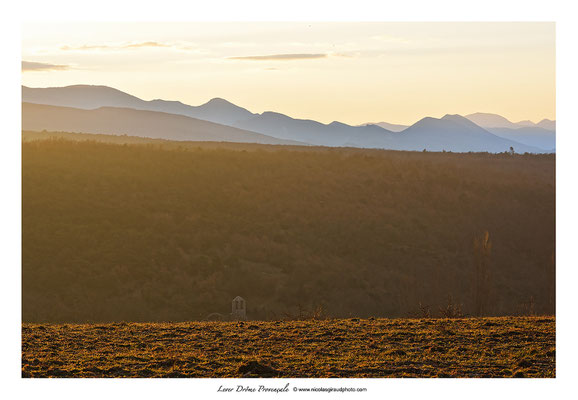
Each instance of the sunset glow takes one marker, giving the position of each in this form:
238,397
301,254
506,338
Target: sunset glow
351,72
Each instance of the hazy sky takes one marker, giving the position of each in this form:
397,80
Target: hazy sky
351,72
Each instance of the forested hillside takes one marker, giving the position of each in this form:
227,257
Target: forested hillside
161,232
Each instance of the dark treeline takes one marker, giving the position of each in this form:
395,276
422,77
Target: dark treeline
171,232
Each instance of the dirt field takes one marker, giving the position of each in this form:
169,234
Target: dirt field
345,348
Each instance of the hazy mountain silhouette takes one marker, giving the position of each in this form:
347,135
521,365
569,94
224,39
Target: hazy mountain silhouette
333,134
488,120
92,97
388,126
532,136
455,133
216,110
450,133
126,121
81,96
547,124
541,135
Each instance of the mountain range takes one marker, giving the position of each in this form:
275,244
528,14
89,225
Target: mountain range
101,109
541,135
488,120
131,122
388,126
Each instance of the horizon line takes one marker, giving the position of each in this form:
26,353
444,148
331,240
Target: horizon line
297,118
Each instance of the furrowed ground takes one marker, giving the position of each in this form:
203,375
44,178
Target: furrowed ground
345,348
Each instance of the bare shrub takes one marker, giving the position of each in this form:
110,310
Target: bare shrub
423,311
451,309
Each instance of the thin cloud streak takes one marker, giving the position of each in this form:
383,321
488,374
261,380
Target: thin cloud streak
38,66
280,57
149,44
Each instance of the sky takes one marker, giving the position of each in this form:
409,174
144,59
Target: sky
352,72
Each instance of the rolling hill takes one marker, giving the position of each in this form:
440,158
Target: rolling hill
133,232
91,97
333,134
388,126
126,121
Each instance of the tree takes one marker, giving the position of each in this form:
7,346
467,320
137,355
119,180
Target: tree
551,282
482,252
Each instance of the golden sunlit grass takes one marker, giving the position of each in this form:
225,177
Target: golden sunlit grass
346,348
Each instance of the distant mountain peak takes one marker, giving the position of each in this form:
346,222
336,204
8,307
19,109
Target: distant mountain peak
489,120
274,114
167,101
547,124
425,120
101,88
78,86
218,100
460,120
454,117
222,105
386,125
339,124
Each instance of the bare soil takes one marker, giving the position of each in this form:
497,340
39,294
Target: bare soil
340,348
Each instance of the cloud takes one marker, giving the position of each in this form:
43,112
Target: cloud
38,66
115,47
280,57
146,44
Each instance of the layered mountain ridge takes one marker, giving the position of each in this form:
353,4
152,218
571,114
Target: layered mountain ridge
233,123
